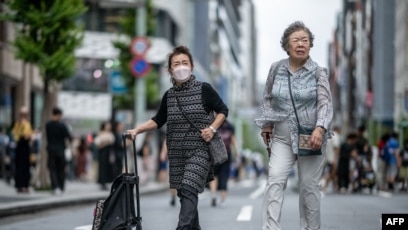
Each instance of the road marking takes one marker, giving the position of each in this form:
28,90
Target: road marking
245,214
204,195
258,192
322,194
246,183
385,194
85,227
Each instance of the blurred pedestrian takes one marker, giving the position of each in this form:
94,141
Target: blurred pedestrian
163,171
145,153
4,158
332,156
10,157
70,160
35,147
391,155
242,170
258,164
403,166
83,160
381,164
222,171
363,161
347,150
57,136
190,164
94,152
118,148
22,132
279,123
163,163
104,141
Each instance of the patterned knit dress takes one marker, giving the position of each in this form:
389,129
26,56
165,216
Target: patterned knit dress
189,159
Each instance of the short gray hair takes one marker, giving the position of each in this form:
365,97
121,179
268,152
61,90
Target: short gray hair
295,26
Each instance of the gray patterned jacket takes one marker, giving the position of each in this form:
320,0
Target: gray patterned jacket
311,94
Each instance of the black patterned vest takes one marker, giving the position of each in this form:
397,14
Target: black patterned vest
185,145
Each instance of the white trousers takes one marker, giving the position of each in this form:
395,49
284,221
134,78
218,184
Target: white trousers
280,164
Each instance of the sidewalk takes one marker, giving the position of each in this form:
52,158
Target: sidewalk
12,203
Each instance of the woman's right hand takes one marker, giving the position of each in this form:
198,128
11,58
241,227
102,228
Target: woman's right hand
266,135
132,132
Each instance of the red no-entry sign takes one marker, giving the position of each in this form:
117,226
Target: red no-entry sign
139,46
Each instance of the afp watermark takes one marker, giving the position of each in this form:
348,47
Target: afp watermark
394,221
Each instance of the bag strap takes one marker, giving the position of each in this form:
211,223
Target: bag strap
185,115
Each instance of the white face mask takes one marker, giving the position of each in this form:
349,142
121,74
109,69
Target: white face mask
182,73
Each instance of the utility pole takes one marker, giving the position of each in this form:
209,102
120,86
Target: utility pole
140,100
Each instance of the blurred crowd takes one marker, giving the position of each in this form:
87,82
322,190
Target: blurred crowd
352,164
355,166
97,157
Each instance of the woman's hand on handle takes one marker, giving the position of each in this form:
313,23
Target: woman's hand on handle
145,127
132,133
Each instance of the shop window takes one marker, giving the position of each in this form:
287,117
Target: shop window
90,76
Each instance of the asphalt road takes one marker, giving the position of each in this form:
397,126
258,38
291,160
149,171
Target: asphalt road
242,212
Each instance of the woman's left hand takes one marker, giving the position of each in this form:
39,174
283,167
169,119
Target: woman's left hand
316,140
207,134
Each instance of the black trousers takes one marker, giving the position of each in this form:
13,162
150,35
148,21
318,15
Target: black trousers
22,164
343,173
188,217
56,165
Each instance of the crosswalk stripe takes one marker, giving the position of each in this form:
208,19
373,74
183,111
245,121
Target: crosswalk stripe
258,192
85,227
245,214
385,194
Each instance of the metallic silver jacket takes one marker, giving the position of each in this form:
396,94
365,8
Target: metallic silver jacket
311,94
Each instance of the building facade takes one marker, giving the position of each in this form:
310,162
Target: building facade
220,34
368,66
401,64
20,83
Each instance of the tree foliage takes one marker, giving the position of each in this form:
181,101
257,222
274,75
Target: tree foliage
47,34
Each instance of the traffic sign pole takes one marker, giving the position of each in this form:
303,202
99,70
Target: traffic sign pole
140,100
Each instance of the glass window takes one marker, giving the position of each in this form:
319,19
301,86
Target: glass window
5,104
102,19
90,76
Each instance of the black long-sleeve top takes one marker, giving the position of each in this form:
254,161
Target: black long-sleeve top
211,102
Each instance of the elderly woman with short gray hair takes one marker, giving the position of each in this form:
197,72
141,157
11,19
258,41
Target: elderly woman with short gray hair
297,93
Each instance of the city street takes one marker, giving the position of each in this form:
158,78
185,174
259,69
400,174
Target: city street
75,76
242,212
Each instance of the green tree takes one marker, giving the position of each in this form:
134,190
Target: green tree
127,27
47,34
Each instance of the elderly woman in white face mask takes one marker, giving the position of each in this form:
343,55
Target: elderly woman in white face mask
190,165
